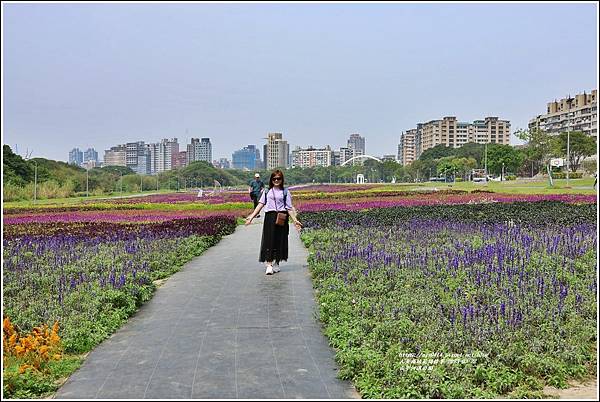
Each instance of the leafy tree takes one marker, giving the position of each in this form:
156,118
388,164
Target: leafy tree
499,154
446,166
463,166
580,146
472,150
437,152
538,148
421,169
14,168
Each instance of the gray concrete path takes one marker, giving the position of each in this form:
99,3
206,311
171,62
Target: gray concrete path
220,329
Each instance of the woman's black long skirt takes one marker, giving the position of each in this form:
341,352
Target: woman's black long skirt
274,244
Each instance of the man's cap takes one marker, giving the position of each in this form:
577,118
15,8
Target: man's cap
256,175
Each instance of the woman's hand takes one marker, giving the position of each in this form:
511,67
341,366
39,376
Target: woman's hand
298,225
248,220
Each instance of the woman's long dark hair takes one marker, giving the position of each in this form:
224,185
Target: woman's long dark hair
276,172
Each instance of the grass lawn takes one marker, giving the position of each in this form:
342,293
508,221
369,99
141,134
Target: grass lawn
576,186
76,200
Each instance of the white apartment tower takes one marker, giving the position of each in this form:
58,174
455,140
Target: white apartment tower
311,157
199,150
277,151
168,151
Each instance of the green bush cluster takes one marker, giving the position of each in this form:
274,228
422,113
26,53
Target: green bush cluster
531,213
563,175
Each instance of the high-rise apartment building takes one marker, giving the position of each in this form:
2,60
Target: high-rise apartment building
311,157
277,151
357,143
199,150
345,154
75,157
116,156
406,147
418,142
90,155
152,150
167,153
247,158
138,157
570,114
455,134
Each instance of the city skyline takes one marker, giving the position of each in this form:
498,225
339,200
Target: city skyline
75,71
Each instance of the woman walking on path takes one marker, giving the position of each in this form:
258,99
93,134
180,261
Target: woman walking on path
276,200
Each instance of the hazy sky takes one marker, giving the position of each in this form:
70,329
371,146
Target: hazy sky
97,75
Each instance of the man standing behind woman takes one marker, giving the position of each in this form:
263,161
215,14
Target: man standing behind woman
256,187
274,245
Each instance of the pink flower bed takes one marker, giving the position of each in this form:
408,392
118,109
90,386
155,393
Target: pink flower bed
109,216
353,204
332,188
207,198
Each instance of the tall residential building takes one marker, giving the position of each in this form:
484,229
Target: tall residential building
454,134
199,150
345,154
247,158
357,144
152,150
311,157
167,153
277,153
406,147
570,114
90,155
418,142
116,156
138,157
75,157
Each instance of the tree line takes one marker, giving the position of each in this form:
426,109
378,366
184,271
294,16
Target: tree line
59,179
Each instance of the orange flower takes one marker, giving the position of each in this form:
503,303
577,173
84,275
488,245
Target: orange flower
20,350
24,367
7,326
12,341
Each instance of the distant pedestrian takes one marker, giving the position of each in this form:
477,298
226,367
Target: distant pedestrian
256,187
277,201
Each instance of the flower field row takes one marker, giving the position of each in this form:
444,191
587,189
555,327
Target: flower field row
240,204
115,216
90,271
433,302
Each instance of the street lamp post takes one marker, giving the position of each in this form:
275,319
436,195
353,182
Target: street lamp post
568,149
502,178
141,183
35,183
87,183
485,165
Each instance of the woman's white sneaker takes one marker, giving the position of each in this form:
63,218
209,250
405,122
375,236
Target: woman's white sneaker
269,270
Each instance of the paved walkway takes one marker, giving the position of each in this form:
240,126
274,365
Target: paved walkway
220,328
